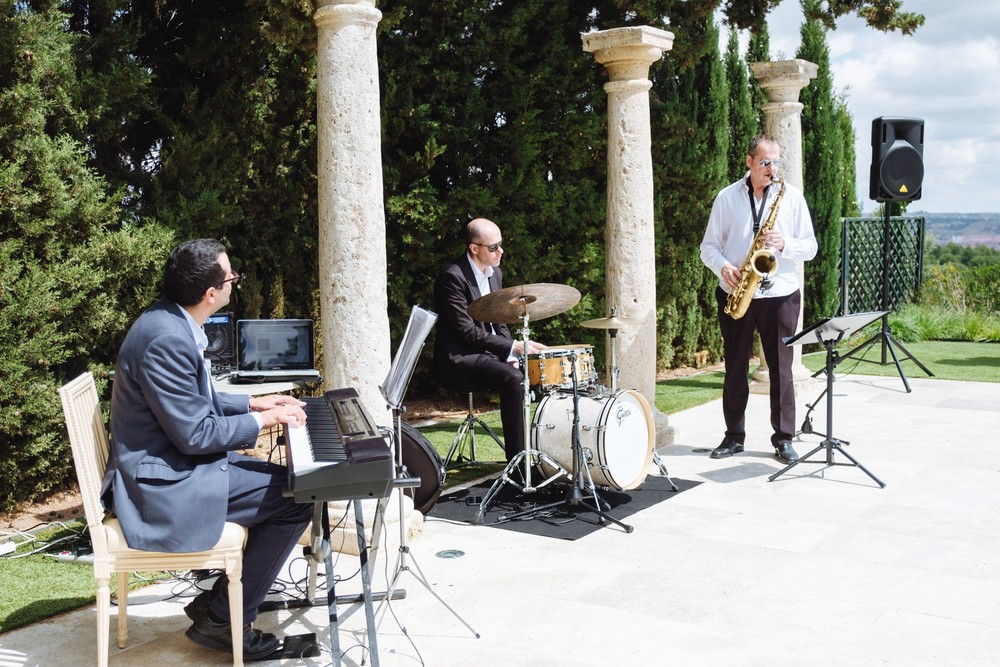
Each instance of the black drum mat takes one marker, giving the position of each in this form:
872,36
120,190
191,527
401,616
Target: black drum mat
566,521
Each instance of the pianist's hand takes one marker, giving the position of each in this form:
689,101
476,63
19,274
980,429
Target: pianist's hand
262,403
278,409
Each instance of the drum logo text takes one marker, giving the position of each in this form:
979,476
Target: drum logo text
622,414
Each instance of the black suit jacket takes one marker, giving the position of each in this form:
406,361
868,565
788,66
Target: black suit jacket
459,340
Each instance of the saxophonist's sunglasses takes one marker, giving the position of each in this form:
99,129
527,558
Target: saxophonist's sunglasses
768,163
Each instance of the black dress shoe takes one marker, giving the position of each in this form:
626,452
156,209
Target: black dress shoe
198,607
785,452
256,644
727,448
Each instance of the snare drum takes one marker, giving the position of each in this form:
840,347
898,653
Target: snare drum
616,433
551,368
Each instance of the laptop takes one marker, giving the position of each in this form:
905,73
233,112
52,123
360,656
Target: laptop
275,351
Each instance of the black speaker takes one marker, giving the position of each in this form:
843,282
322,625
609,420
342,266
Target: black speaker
897,159
221,350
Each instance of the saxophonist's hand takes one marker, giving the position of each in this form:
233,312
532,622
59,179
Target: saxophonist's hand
731,275
774,239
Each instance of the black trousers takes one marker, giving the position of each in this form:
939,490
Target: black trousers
775,318
486,372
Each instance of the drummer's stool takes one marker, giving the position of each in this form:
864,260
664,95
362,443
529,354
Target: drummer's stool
467,434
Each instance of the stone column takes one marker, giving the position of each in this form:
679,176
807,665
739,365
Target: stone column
782,82
630,269
352,262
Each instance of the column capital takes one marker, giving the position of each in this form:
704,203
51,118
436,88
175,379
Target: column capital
339,12
628,52
782,80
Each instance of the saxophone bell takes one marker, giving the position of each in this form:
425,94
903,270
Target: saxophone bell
764,262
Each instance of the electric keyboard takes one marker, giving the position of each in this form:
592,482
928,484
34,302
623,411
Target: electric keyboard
339,453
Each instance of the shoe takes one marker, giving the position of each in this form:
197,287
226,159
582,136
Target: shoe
726,449
785,452
198,607
256,644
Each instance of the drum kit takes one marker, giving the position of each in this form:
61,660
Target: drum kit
584,432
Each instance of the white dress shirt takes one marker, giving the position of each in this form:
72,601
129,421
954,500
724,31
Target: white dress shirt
730,233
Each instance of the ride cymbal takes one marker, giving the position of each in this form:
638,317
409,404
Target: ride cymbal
537,300
613,322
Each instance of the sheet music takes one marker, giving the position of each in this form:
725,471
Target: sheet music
417,329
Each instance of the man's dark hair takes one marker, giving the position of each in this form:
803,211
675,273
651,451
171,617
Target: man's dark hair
758,140
192,268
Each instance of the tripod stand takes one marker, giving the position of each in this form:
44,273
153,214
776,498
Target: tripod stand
885,335
574,496
829,332
393,389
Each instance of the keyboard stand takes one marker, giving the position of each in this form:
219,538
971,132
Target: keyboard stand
321,550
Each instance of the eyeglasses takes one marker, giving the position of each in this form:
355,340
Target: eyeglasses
235,279
490,247
768,163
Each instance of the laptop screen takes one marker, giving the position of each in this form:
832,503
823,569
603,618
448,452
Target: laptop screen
274,345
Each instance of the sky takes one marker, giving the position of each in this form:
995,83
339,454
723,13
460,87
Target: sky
947,73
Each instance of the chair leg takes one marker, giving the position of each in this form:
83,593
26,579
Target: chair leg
103,618
122,609
235,578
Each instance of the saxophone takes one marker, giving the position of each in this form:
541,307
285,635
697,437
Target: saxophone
759,263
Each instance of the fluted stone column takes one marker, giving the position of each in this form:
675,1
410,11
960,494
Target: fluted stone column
630,266
352,262
782,81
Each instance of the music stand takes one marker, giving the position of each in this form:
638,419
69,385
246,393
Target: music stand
393,389
829,332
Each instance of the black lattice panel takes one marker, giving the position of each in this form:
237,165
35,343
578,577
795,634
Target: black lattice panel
862,260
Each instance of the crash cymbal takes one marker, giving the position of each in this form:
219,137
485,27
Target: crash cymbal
613,322
538,300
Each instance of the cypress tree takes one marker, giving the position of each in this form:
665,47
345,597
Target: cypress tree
758,51
743,119
69,265
823,172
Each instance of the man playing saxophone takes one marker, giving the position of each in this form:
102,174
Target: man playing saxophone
762,222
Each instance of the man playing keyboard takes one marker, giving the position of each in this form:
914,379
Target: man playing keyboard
173,477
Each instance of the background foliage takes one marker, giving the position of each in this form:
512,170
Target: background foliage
126,126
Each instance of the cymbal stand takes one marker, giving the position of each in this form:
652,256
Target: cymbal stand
574,495
613,373
528,456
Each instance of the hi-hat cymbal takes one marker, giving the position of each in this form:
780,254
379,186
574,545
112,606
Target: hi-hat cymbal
613,322
538,300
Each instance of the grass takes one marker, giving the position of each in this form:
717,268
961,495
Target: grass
35,587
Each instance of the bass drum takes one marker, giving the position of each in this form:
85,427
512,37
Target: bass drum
617,430
421,460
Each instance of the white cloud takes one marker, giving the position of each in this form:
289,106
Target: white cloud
947,73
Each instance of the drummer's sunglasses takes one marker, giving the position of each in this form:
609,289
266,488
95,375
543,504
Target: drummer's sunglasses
492,247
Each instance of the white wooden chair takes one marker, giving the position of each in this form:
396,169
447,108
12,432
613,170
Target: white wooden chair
89,442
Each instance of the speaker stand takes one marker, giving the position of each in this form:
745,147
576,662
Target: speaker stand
885,336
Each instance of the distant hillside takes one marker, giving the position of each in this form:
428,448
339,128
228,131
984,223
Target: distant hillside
966,229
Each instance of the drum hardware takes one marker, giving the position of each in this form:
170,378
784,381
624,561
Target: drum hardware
509,305
467,432
612,324
575,493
